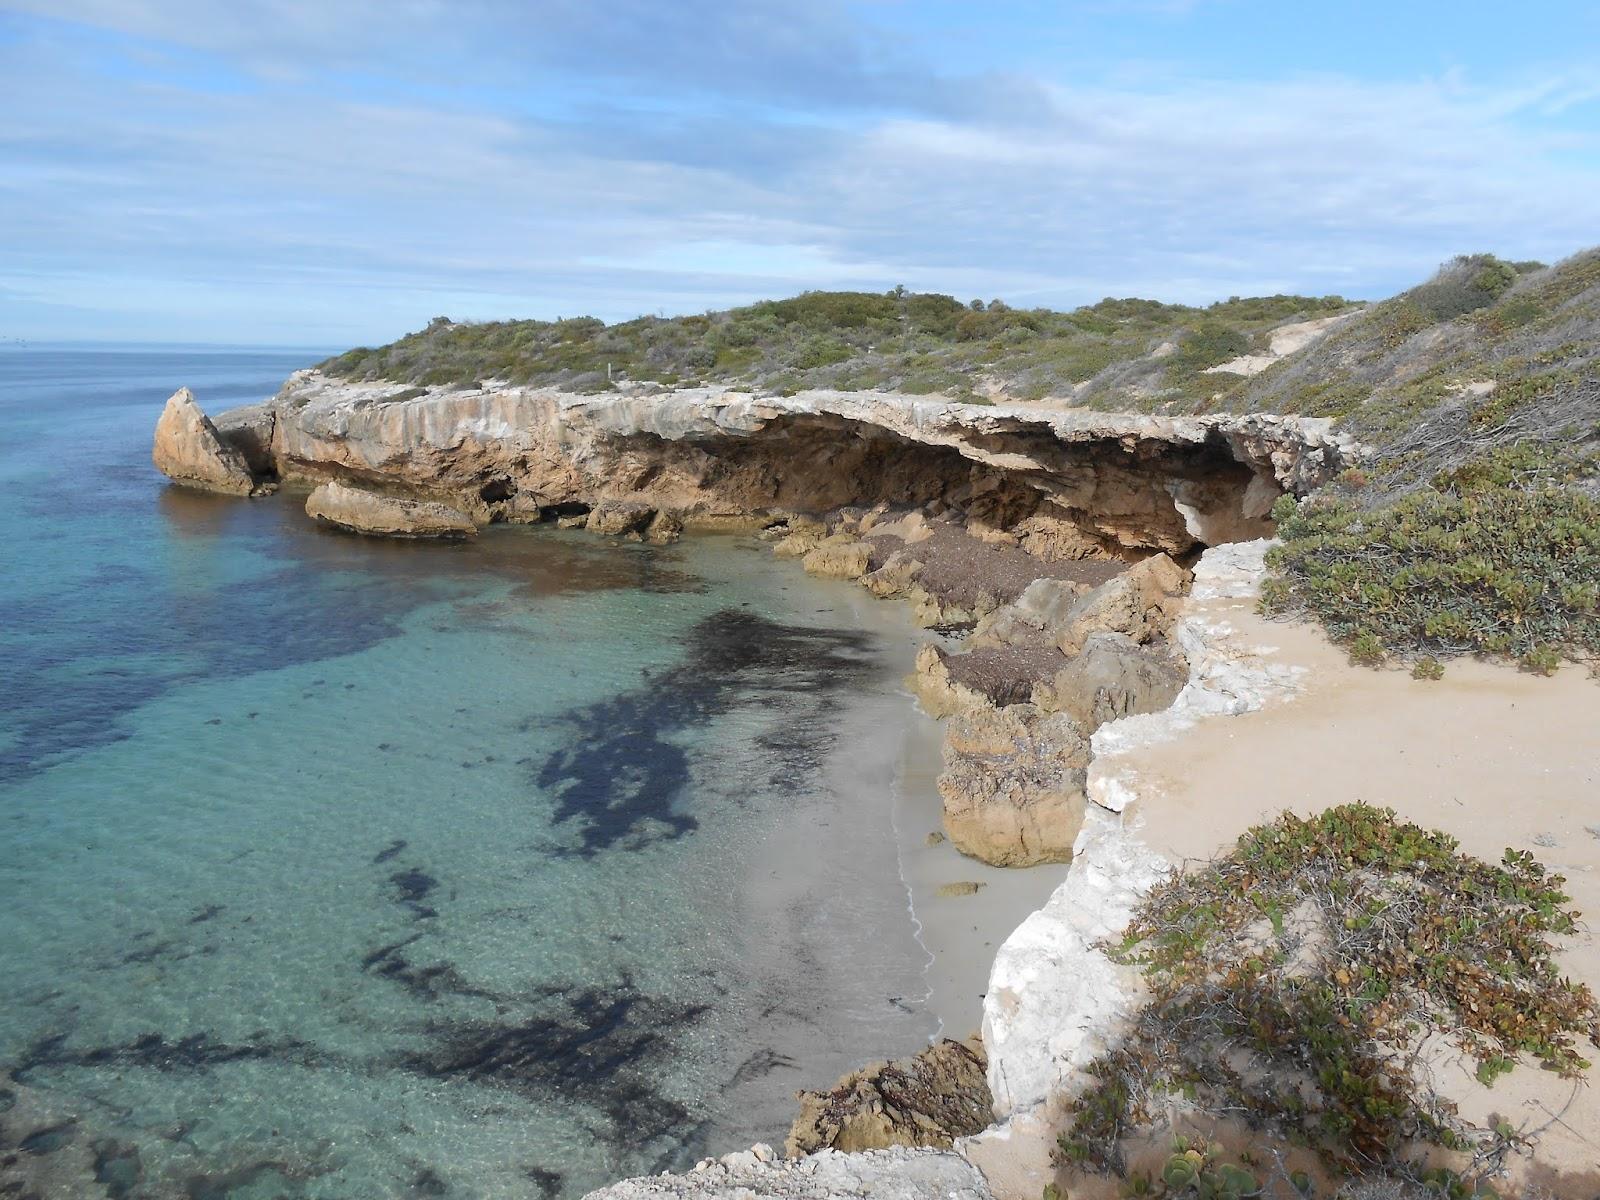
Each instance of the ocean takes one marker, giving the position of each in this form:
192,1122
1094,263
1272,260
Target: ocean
340,868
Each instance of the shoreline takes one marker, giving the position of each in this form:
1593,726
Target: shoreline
866,824
672,470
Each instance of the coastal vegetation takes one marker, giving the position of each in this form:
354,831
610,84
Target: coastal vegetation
915,342
1317,977
1473,527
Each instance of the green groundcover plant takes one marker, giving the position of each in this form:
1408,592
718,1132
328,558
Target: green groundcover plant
1479,563
1302,978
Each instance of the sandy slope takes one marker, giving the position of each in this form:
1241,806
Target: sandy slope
1494,757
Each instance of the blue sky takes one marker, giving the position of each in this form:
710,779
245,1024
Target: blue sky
318,172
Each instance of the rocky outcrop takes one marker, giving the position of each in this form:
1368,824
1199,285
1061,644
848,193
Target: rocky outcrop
359,511
838,557
189,451
757,1173
1063,484
1041,610
621,518
1055,999
1140,603
1013,784
929,1099
1111,678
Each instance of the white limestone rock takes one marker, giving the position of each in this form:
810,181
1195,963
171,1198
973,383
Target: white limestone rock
1055,1001
896,1174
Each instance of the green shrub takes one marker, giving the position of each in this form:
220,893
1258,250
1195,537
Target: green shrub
1295,977
1495,570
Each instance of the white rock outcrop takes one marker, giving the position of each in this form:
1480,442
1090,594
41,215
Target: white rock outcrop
1055,999
896,1174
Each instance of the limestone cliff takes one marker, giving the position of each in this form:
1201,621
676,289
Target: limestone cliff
1071,482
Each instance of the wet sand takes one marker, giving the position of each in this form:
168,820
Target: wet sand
845,891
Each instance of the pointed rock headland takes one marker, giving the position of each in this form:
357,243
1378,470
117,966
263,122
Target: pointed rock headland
188,450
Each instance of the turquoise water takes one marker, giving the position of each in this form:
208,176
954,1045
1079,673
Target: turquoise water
335,868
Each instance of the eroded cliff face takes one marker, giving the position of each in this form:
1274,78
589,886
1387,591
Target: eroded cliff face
1065,483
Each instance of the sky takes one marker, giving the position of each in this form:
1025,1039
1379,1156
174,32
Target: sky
337,172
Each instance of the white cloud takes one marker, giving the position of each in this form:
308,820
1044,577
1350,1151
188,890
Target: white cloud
309,191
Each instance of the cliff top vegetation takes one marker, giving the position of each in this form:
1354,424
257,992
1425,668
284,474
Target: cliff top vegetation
1475,527
916,342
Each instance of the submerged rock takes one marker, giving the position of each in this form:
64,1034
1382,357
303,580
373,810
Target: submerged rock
360,511
929,1099
188,450
1013,784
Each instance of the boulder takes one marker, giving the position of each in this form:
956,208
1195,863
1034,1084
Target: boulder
1042,608
188,450
1113,677
935,688
1013,784
665,527
1141,602
928,1099
895,578
838,557
799,542
620,518
369,513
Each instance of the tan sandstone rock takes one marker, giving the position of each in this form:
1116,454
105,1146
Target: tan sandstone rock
936,689
620,518
838,557
799,543
1013,784
896,577
361,511
1041,609
1141,602
1113,677
929,1099
189,450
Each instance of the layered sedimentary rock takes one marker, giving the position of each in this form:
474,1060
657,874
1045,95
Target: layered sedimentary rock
1063,484
1111,678
929,1099
359,511
189,450
1013,784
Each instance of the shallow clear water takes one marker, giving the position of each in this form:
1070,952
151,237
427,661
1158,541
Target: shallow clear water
338,868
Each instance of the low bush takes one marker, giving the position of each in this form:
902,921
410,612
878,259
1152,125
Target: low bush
1479,568
1297,977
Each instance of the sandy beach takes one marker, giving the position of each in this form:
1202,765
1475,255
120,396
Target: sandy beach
842,903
